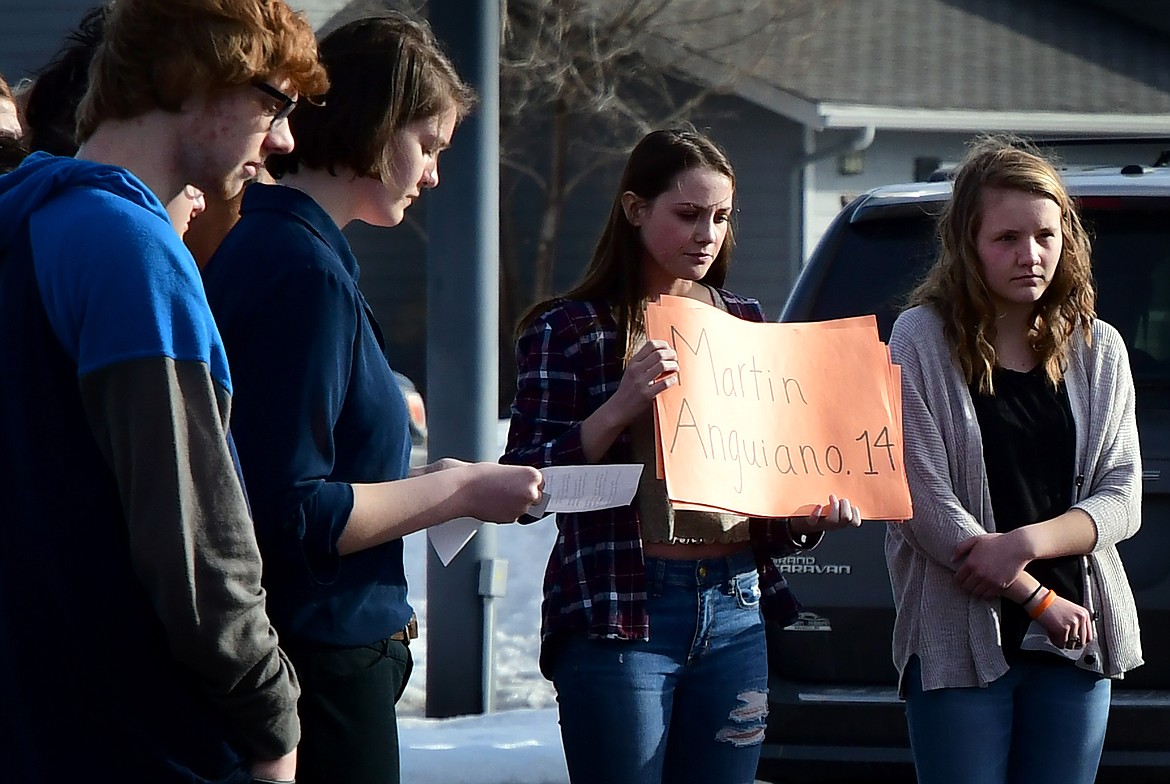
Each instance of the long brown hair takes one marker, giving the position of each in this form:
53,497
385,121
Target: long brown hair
955,288
615,273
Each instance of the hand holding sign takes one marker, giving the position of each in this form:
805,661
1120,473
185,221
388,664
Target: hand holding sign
651,369
769,419
838,513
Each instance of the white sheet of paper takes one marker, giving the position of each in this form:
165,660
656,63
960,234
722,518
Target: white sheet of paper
583,488
1036,639
452,536
586,488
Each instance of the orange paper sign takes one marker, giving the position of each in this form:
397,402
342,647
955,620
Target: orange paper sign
769,419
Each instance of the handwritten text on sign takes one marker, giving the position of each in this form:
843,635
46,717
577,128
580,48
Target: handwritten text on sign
769,419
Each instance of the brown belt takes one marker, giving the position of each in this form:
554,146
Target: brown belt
409,633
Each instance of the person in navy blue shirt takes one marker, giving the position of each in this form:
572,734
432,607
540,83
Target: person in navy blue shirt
134,641
321,425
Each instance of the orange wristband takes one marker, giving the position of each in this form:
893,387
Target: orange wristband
1044,604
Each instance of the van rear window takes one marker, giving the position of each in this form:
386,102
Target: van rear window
877,262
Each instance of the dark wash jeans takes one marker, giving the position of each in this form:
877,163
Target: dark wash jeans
349,727
686,706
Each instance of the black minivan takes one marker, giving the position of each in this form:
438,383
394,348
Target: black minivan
835,714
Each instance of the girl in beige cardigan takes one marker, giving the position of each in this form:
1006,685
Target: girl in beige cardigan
1013,608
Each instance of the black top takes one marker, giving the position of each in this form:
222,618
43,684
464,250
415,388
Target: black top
1029,447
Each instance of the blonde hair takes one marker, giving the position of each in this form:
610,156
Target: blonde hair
158,53
955,287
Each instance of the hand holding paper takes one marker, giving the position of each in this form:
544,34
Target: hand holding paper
582,488
586,488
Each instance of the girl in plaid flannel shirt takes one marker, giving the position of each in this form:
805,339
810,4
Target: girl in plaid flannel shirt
653,620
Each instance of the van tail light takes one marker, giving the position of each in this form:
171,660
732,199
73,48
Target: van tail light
418,411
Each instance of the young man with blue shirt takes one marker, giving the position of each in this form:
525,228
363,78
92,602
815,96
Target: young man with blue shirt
134,641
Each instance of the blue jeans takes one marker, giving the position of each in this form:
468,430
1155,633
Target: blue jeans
689,704
1041,723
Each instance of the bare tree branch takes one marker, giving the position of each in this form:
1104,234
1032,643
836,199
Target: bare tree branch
580,83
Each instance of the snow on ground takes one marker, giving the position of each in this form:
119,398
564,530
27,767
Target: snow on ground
519,684
506,747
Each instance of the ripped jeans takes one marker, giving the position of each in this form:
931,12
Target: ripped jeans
686,706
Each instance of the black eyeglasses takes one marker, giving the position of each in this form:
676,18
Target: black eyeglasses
286,102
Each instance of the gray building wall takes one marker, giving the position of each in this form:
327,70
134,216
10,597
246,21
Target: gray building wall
31,31
394,281
764,149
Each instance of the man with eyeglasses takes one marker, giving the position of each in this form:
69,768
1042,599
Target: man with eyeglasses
134,641
283,103
219,214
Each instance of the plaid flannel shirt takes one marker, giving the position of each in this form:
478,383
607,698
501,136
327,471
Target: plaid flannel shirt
569,362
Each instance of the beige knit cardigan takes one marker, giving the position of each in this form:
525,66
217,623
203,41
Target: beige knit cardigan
955,635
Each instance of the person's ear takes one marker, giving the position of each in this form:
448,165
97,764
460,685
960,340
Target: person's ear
632,206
